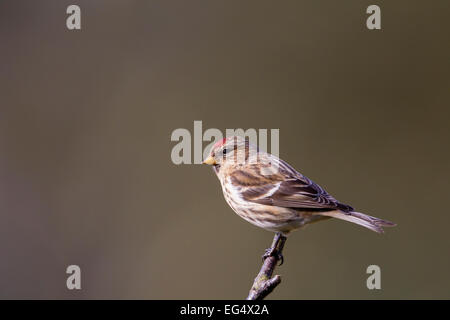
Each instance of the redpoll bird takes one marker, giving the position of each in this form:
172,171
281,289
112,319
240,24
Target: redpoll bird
269,193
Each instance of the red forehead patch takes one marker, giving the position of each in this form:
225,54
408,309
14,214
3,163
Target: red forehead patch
219,143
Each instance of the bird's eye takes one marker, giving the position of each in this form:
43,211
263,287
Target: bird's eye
224,151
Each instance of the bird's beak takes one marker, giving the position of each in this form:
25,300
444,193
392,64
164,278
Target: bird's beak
210,161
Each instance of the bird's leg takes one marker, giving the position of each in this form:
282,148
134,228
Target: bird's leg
276,248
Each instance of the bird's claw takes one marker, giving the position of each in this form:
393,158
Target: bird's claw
272,252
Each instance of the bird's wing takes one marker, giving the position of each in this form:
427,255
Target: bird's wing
285,188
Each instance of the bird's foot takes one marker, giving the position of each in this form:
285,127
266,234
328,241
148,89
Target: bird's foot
272,252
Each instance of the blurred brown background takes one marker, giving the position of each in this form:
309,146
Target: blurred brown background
86,117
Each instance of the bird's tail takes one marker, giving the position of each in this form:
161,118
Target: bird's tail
372,223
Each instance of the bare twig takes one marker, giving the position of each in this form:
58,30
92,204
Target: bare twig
264,282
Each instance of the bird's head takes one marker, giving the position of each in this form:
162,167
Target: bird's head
234,150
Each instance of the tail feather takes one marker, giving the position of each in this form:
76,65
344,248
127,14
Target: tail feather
372,223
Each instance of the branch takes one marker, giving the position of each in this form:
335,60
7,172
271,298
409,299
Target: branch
264,282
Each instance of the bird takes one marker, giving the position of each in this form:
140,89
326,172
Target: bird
269,193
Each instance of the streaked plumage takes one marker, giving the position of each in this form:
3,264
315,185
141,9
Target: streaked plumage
269,193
